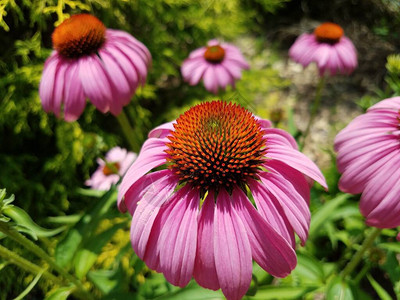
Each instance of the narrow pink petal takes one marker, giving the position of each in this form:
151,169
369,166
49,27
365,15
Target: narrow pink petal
293,204
297,179
190,65
271,211
265,124
205,272
178,238
298,161
47,82
385,200
121,87
59,87
75,101
357,174
151,155
234,69
280,137
96,85
140,65
232,249
269,249
210,79
197,52
162,130
144,205
391,103
197,74
126,65
223,77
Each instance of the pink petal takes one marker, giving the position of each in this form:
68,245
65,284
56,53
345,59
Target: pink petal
232,249
47,82
270,209
205,272
96,85
280,137
391,103
223,77
151,155
293,204
144,203
269,249
298,161
178,238
210,79
163,130
75,101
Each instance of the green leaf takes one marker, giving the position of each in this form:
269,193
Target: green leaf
383,295
90,192
29,287
21,218
338,289
324,213
71,219
86,257
67,247
309,269
193,292
282,292
390,246
60,294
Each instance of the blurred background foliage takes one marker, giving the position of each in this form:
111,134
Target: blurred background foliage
45,161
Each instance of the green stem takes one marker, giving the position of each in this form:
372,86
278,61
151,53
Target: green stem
27,265
360,253
128,131
16,236
314,109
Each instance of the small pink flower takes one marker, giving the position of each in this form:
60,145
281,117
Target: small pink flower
369,160
90,61
328,47
218,64
117,162
234,189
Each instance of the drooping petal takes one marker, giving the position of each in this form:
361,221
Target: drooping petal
205,271
178,238
232,249
151,155
269,249
298,161
47,82
96,85
293,204
144,203
210,79
74,100
270,209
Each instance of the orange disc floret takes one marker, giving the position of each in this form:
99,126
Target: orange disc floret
216,144
111,168
214,54
79,35
328,33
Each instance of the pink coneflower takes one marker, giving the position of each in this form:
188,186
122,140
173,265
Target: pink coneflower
328,47
117,162
369,160
218,64
90,61
196,217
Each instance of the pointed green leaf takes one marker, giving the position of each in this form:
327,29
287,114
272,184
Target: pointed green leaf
383,295
60,294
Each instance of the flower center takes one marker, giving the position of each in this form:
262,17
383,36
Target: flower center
216,144
329,33
79,35
111,168
214,54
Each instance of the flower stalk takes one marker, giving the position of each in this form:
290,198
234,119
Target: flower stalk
360,253
314,109
29,245
128,131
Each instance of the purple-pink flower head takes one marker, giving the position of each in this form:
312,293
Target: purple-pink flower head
218,64
369,160
117,162
232,189
90,61
328,48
